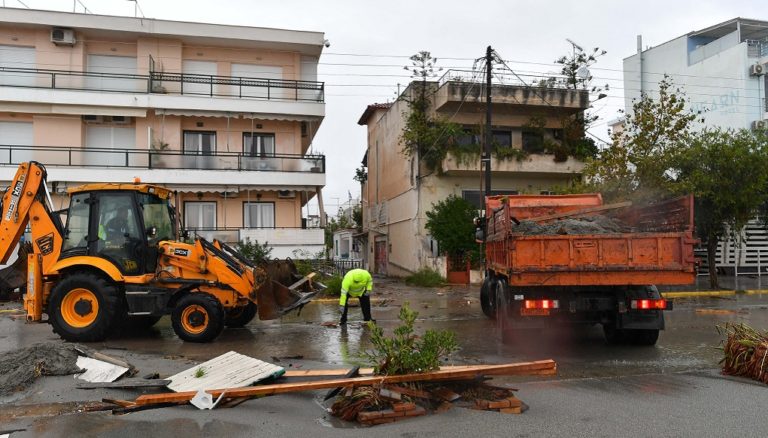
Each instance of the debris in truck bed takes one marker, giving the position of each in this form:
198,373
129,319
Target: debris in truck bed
19,368
745,352
586,225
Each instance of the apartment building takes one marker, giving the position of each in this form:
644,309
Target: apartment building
224,115
399,190
723,71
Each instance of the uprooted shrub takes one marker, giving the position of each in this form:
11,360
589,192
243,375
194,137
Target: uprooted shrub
405,352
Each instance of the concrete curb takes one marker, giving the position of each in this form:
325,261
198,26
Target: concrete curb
712,293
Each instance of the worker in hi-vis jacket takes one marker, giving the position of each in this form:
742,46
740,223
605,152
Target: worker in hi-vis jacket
357,283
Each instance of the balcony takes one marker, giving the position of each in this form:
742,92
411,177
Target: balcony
285,242
170,91
510,94
166,167
532,165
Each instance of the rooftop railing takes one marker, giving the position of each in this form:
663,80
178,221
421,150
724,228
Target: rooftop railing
165,83
504,77
149,159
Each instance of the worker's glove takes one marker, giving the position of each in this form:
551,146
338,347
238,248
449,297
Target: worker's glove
341,309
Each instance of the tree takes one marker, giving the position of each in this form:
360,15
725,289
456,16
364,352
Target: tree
450,222
638,162
726,172
424,135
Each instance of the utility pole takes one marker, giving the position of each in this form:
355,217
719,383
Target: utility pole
488,136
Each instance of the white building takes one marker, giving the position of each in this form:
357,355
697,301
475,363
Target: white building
722,69
225,115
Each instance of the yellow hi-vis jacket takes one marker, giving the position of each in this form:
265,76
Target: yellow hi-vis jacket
356,283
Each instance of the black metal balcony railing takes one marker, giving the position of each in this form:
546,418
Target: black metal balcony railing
148,159
232,235
165,83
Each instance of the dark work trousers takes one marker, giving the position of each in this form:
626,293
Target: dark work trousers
365,305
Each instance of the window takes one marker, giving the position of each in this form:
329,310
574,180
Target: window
199,142
77,222
115,65
502,139
259,214
468,138
17,57
258,145
533,142
157,213
199,215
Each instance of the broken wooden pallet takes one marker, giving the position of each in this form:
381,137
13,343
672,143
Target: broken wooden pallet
544,367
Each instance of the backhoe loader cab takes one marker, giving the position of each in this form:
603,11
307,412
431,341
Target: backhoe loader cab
119,223
116,264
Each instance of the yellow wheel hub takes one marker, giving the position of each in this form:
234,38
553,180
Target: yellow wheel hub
194,319
79,308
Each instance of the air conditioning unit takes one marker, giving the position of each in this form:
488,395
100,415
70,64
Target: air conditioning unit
90,118
63,37
760,125
286,194
120,120
757,70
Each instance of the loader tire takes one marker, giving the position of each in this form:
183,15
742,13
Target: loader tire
84,307
198,317
240,316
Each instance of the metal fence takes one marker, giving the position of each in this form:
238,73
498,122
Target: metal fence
164,83
149,159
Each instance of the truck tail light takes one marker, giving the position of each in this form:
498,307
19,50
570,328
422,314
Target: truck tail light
542,304
656,304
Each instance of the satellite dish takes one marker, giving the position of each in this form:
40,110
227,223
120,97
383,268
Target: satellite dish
582,72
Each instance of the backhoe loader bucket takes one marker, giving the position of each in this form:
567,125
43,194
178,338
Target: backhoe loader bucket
14,276
284,290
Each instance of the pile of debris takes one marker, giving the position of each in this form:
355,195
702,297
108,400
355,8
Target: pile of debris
745,352
597,224
384,398
20,368
390,403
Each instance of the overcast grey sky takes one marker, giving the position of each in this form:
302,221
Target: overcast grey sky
530,33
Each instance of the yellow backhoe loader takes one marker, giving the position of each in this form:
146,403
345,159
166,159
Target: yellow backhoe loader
116,262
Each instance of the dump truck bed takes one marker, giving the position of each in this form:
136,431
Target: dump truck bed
655,247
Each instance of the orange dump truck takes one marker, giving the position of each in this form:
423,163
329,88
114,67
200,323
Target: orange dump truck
540,271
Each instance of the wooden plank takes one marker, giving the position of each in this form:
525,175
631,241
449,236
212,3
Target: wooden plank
306,278
343,371
125,383
581,212
524,368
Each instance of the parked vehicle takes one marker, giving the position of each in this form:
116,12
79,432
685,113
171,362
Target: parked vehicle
535,279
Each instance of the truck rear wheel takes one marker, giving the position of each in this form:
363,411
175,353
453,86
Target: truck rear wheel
84,307
240,316
488,299
198,317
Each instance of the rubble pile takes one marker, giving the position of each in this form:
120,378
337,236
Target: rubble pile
597,224
20,368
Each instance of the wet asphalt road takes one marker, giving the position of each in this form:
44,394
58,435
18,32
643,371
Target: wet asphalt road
672,389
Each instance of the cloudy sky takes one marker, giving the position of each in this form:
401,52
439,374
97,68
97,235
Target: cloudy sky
371,41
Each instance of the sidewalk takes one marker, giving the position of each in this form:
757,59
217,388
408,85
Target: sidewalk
729,285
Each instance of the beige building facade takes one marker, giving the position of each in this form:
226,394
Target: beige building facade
224,115
398,191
